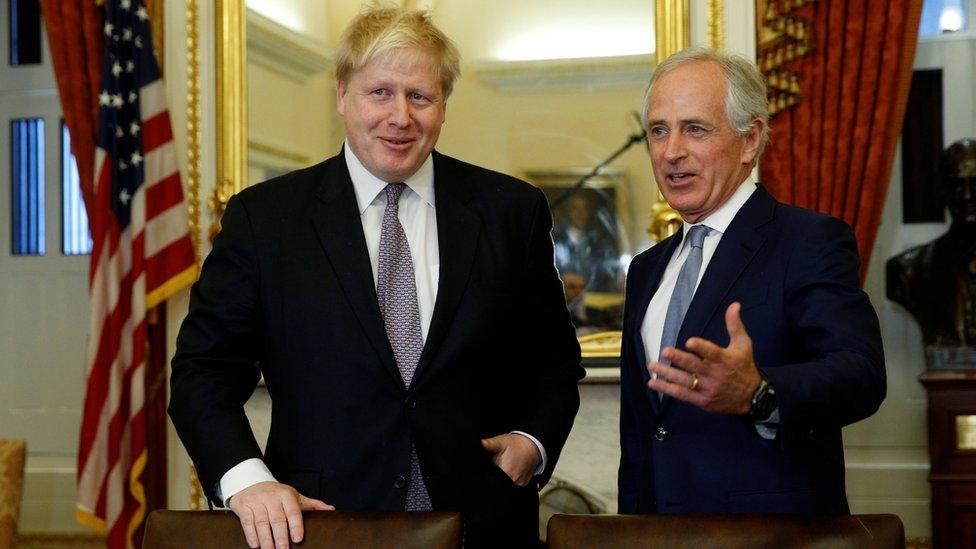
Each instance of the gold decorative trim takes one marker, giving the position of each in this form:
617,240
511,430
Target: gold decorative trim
784,34
665,220
193,125
193,150
671,28
601,344
157,23
716,24
197,499
966,433
671,32
231,38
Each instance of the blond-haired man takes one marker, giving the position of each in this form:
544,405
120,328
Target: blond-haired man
382,294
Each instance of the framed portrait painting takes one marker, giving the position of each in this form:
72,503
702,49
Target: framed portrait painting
591,251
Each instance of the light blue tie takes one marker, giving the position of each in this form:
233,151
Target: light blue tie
684,290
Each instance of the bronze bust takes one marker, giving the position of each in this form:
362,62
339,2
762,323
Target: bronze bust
936,282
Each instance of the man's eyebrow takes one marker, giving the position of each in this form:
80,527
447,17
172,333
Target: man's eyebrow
682,122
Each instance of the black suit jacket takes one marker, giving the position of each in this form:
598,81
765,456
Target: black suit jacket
814,334
288,290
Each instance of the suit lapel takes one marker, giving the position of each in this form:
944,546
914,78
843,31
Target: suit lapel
735,251
645,287
458,227
339,227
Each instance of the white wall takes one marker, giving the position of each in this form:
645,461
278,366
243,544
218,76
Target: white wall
887,455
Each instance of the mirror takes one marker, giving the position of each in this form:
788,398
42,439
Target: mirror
546,88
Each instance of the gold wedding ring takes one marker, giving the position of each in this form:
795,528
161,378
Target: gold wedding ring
694,382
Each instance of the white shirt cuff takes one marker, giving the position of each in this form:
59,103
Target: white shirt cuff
246,473
542,451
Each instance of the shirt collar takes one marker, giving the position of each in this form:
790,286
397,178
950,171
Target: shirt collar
368,186
721,218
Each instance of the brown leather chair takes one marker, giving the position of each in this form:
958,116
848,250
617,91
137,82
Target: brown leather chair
12,456
357,529
725,531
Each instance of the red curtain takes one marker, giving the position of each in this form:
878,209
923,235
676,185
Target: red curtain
75,36
833,152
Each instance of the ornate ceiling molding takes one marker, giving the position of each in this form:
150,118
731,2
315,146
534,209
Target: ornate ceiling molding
566,74
287,52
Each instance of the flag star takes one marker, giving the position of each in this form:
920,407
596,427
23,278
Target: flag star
116,68
125,4
122,166
118,131
130,66
138,41
133,97
117,101
104,98
134,129
141,13
136,158
127,34
109,28
124,196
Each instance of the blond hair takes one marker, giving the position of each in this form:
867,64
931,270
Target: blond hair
397,33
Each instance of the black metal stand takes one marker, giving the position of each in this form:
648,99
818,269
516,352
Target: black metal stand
631,141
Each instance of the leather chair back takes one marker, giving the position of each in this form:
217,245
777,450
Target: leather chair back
355,529
725,531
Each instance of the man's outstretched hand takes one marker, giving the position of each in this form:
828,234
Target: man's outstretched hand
718,379
271,514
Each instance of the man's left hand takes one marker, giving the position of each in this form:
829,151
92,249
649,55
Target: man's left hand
514,454
727,376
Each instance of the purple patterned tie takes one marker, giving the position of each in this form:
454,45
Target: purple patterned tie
397,294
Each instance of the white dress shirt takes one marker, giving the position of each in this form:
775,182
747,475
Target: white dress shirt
718,222
418,216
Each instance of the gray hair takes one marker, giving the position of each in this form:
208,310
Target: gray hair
745,95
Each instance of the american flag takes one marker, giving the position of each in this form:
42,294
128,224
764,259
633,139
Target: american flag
141,255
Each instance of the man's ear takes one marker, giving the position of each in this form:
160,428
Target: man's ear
753,138
341,97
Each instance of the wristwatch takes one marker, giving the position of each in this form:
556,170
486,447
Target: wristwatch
763,400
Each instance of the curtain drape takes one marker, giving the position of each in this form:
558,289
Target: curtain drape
75,35
833,152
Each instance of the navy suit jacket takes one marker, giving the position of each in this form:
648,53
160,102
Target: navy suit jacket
288,290
815,335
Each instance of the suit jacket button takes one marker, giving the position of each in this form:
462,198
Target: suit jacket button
660,434
400,482
410,403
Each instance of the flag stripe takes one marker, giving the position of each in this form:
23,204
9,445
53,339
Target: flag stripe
165,194
158,275
141,254
156,132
